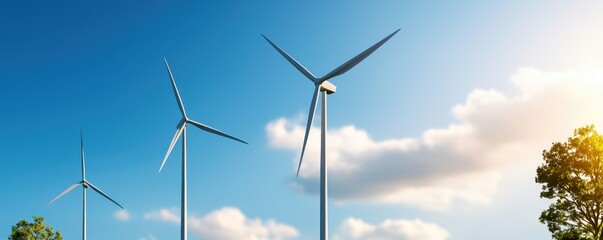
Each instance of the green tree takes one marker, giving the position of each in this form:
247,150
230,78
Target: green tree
572,176
37,230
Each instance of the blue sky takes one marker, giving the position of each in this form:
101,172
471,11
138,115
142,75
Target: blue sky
446,121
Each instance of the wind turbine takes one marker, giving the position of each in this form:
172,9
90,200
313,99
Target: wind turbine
85,183
181,130
326,88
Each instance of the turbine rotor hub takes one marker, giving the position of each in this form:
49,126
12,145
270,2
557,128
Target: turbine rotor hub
183,122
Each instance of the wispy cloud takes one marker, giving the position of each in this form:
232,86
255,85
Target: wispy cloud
357,229
148,237
122,215
461,161
228,223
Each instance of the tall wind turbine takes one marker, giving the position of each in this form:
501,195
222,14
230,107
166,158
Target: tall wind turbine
325,87
85,183
181,130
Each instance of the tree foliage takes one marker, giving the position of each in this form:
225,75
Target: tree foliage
572,175
37,230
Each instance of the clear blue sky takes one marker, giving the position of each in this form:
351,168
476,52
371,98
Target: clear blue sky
98,66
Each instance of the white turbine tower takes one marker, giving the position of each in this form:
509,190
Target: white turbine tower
85,183
181,130
322,85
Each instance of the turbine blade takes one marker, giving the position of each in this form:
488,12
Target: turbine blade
308,125
65,192
102,193
291,60
82,155
178,99
214,131
357,59
174,140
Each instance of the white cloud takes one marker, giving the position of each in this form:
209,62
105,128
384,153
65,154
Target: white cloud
122,215
459,162
166,215
229,223
357,229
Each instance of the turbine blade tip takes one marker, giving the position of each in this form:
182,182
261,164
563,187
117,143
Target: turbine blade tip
299,166
268,40
162,165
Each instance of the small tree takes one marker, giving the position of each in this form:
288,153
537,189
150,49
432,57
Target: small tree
24,230
572,175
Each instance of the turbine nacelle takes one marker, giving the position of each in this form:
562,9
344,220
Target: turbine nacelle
328,87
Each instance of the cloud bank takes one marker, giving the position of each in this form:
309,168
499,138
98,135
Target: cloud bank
357,229
228,223
490,130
